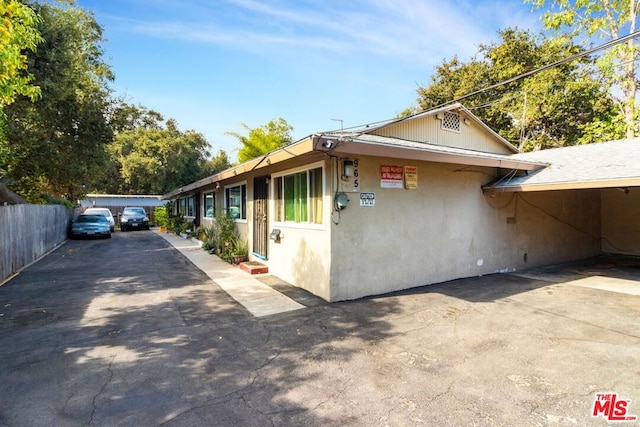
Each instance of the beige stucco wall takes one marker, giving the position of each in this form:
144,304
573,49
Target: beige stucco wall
303,254
449,229
620,221
302,257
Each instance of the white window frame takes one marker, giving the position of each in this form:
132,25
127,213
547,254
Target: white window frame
243,201
292,224
204,204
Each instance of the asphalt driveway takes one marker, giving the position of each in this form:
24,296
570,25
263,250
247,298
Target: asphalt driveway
127,331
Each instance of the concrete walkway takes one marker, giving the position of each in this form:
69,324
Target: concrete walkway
257,297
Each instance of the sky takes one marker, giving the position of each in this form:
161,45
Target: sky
320,65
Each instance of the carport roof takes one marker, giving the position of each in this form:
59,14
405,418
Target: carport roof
600,165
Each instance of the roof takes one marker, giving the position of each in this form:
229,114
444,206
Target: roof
456,107
8,197
123,196
365,144
599,165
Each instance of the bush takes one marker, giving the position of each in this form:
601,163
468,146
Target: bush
161,214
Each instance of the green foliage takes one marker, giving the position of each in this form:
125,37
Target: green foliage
264,139
57,145
208,235
240,247
161,214
155,157
18,32
177,224
548,109
217,164
610,20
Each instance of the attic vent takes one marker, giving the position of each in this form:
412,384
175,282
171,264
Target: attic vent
451,121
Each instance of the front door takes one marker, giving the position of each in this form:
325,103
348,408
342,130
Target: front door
260,207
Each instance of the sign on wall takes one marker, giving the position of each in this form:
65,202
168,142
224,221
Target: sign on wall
411,177
391,176
367,199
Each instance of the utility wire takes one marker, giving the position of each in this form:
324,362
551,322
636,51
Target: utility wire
511,80
546,67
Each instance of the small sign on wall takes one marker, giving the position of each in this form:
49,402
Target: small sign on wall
411,177
391,176
367,199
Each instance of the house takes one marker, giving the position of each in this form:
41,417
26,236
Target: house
415,201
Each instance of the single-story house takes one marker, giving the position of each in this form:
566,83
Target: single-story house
117,202
421,200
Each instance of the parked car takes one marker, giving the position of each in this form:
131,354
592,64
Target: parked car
134,219
89,225
105,212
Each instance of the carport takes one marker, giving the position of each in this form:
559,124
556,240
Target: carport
608,172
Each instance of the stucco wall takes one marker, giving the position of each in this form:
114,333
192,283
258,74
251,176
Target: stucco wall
620,224
449,229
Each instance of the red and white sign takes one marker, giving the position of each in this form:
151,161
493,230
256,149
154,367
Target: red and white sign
612,408
391,176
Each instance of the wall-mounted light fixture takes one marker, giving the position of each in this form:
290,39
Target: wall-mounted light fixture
347,168
217,185
327,144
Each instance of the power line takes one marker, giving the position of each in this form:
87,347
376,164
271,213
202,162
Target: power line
546,67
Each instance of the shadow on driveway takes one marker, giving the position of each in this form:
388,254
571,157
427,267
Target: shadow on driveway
126,331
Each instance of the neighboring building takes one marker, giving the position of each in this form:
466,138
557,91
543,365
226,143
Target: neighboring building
415,201
116,203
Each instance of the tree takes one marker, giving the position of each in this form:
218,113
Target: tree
217,164
548,109
261,140
18,32
158,157
57,144
608,19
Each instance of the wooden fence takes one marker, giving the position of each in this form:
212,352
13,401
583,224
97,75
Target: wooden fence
27,232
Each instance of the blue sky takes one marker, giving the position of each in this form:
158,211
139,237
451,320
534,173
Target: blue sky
211,64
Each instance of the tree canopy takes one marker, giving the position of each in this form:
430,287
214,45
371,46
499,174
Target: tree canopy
55,145
18,32
261,140
608,19
556,107
152,156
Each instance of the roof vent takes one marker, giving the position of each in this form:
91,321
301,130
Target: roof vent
451,122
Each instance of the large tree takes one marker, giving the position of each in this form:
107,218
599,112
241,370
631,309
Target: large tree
261,140
608,19
151,156
551,108
57,144
18,32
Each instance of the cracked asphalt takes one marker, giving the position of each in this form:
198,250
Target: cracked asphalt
127,331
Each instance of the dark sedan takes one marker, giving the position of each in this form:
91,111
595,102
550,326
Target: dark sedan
89,225
134,219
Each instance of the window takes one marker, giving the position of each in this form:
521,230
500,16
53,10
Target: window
182,206
191,206
209,205
236,201
299,197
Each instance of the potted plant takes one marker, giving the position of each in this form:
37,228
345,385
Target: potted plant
240,251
